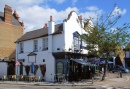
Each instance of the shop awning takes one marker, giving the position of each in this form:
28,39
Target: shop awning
81,61
103,62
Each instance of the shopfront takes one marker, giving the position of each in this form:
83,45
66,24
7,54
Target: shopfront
73,65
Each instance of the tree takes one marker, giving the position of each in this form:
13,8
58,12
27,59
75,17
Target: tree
102,39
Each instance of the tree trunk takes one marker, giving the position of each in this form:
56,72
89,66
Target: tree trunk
105,69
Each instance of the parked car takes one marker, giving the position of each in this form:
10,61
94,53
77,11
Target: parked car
124,70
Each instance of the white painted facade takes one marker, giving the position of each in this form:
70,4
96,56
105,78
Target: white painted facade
63,41
3,69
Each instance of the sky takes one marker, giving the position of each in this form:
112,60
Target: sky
35,13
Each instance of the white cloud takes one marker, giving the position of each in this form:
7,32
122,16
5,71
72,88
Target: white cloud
59,1
117,11
93,13
35,16
73,2
92,8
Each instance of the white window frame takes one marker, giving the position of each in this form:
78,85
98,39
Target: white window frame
21,48
45,43
76,43
35,42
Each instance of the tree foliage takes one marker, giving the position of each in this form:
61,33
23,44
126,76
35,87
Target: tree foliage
104,37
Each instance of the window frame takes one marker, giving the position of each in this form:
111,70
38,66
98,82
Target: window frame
45,43
21,48
35,45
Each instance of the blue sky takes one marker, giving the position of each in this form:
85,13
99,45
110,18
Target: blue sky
35,13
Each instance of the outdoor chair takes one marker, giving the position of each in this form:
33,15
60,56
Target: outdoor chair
21,77
4,78
31,78
13,78
38,79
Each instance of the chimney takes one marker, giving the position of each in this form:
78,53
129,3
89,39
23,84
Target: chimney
45,26
51,26
80,17
8,14
81,21
51,18
15,14
22,24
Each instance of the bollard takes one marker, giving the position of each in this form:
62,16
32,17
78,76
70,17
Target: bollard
92,79
120,74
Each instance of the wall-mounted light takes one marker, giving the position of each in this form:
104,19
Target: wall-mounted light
58,48
70,49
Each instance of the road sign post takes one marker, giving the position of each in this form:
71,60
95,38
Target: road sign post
17,64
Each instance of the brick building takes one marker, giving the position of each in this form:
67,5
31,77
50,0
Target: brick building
10,30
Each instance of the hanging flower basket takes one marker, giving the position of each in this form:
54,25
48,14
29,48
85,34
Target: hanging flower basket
27,69
43,69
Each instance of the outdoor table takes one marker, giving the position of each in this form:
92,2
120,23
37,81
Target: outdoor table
13,77
31,78
61,77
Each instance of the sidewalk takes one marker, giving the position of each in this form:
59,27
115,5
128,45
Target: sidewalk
87,82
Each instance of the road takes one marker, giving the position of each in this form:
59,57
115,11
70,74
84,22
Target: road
102,85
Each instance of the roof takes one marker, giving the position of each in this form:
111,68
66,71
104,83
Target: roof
31,54
14,21
40,33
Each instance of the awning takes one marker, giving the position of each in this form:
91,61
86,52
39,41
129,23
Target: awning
103,62
81,61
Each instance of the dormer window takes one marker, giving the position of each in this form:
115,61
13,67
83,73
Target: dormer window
21,48
35,45
45,43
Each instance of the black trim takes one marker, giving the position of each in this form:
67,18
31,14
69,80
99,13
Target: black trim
31,54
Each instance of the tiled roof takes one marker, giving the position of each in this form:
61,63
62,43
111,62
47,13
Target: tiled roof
14,21
40,33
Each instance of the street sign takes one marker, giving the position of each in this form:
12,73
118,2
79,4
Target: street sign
17,63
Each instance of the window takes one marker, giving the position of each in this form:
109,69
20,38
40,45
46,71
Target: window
35,45
45,43
21,48
60,68
76,43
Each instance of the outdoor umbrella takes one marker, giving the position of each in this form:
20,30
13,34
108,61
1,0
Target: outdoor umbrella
32,68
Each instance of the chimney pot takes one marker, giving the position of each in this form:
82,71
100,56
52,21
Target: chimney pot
80,17
51,18
8,7
45,26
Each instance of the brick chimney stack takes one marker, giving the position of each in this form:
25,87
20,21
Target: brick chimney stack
15,14
80,17
51,18
8,14
45,26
